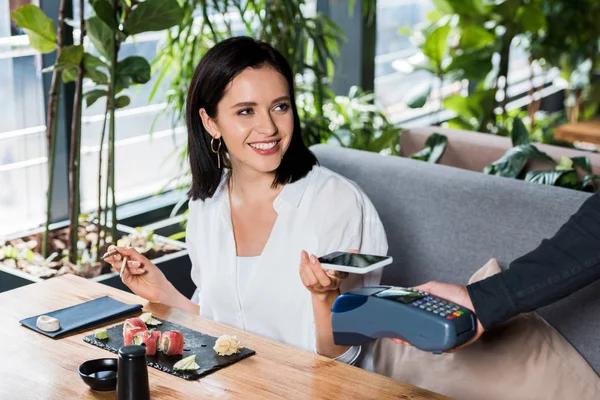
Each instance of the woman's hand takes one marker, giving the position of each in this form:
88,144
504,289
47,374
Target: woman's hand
321,283
324,287
140,275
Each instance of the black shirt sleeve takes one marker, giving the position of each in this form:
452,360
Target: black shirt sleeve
558,267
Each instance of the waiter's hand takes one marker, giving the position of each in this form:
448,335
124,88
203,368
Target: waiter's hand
456,294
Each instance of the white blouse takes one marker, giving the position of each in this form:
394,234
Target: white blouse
321,213
245,268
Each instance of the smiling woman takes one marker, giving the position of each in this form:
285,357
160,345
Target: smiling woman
259,206
242,95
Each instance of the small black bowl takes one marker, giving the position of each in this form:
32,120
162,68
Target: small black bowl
100,374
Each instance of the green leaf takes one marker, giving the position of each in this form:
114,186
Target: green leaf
388,139
443,6
178,236
508,9
121,36
417,98
513,161
101,36
93,95
519,133
433,16
471,8
473,107
460,123
474,37
91,61
589,179
90,65
69,56
98,77
590,110
121,82
435,145
122,101
474,64
136,68
39,28
105,12
550,177
69,74
436,44
565,164
532,17
583,163
153,15
569,180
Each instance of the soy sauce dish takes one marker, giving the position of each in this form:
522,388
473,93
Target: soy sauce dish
100,374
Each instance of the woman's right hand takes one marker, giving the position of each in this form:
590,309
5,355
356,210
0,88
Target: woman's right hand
140,275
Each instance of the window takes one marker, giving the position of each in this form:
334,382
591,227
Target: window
396,55
23,158
394,77
146,150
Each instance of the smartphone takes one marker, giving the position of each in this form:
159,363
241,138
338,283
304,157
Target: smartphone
354,263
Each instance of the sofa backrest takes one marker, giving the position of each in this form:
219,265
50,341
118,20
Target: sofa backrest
474,150
444,223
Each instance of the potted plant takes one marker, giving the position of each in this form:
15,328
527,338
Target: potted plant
75,246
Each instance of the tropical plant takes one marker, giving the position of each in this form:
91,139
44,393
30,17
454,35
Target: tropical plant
573,45
351,121
112,22
474,39
564,174
434,149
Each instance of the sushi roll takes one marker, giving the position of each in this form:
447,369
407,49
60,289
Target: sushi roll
134,322
171,343
148,339
128,334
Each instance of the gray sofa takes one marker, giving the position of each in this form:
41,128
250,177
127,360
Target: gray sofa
443,223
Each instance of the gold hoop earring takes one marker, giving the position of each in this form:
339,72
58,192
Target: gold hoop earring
217,151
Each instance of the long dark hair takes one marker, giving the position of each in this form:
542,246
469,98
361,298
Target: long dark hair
217,68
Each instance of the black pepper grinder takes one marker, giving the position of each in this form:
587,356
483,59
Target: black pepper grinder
132,374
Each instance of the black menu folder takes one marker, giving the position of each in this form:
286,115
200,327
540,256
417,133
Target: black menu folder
84,315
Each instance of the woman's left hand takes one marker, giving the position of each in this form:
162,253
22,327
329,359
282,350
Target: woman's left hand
321,283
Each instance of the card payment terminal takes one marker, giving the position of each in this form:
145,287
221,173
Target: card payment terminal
427,322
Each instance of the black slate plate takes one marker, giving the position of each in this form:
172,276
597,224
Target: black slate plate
195,343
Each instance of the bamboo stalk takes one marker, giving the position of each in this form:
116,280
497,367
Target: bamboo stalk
111,133
75,152
51,127
100,226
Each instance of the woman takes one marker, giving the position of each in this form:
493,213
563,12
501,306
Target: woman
259,204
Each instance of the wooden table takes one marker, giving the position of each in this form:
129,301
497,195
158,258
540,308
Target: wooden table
33,366
585,131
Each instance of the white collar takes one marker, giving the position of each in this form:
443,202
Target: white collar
291,193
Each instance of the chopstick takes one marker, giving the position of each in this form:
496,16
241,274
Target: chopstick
109,254
125,259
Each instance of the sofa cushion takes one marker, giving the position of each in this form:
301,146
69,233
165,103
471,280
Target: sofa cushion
523,358
442,223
